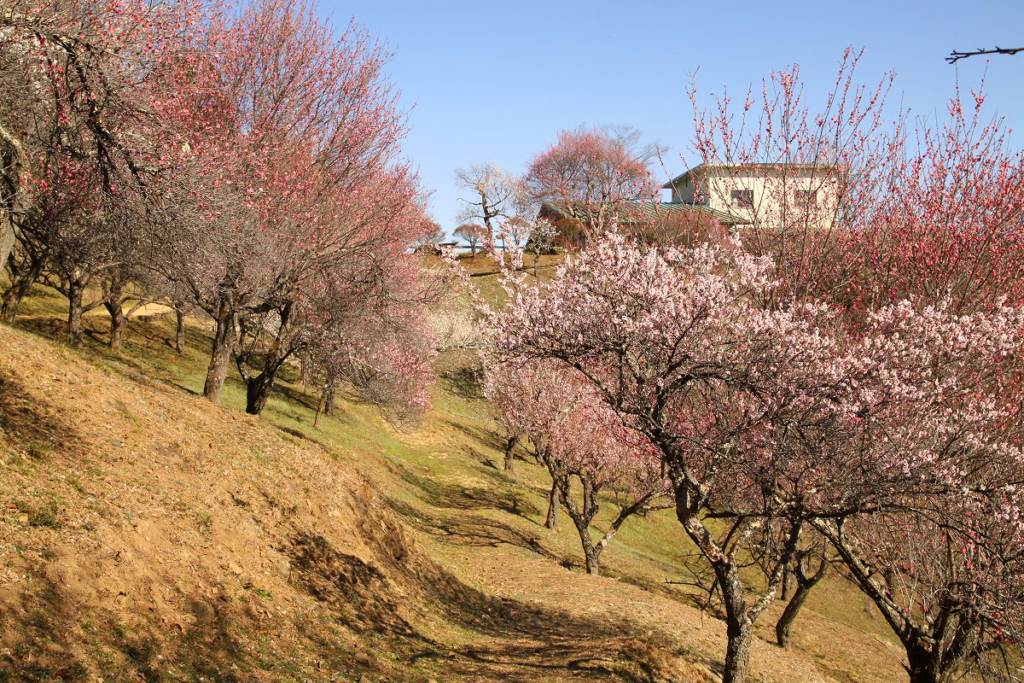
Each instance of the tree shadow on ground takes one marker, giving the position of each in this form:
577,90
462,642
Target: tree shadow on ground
474,531
369,599
456,497
49,631
32,423
485,437
463,381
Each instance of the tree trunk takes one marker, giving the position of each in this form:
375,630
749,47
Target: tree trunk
922,666
20,284
221,356
118,327
257,390
179,335
804,584
737,652
114,303
6,236
739,628
785,624
329,402
75,330
320,406
12,299
553,505
510,449
593,556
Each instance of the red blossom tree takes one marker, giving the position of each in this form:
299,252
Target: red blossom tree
287,186
931,210
591,174
77,132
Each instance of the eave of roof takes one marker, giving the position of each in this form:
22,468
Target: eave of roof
683,178
651,210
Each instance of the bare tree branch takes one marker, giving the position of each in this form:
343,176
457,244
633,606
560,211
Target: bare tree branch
956,55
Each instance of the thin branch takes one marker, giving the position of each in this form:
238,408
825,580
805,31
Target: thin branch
956,56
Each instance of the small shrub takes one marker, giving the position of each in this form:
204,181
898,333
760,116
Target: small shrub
204,521
75,483
39,450
48,516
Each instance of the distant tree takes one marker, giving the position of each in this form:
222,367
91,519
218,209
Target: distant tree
590,173
381,352
431,238
543,235
473,234
495,195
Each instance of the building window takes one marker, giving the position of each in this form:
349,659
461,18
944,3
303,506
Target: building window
743,199
806,199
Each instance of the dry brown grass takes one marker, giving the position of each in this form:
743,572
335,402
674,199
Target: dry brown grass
145,535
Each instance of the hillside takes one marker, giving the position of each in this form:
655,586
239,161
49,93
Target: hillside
147,535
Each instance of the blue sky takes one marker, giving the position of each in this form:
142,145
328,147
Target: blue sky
497,80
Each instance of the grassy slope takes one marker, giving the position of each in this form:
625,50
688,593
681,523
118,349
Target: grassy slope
146,533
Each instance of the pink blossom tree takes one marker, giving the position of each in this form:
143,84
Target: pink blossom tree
930,529
579,440
673,343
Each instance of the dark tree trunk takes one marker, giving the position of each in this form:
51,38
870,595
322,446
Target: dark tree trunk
553,504
113,301
510,449
593,557
922,666
257,390
804,584
118,327
223,340
329,402
179,334
739,620
20,284
259,386
76,290
784,627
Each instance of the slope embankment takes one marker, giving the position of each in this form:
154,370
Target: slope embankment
148,535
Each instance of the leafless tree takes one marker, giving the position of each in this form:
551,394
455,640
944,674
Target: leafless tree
495,195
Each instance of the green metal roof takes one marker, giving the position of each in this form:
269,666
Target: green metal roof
632,212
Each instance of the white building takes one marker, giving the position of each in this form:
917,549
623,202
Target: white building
765,195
